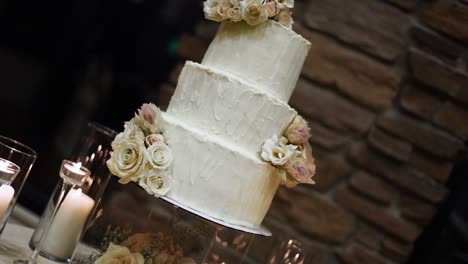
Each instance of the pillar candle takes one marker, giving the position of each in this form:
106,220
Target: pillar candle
65,230
6,194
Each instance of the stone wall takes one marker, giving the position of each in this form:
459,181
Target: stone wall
385,89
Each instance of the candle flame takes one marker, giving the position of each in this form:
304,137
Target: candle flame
77,165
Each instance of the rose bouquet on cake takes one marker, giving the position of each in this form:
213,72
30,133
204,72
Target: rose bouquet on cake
291,154
141,154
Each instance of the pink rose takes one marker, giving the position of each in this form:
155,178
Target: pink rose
223,7
154,139
301,167
150,118
272,9
307,154
298,131
148,113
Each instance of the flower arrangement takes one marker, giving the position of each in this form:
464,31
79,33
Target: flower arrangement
145,248
253,12
122,247
141,154
291,154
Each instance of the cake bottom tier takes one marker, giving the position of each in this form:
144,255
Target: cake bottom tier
218,179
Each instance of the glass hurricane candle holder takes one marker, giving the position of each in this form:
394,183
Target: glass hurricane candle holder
69,214
8,172
16,161
92,150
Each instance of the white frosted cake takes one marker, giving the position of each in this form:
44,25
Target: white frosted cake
228,138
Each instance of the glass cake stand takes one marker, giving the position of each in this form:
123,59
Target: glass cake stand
130,220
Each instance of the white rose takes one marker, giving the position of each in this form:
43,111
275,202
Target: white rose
132,132
234,14
276,153
155,139
120,255
284,18
253,12
156,182
150,118
128,160
159,156
210,8
285,3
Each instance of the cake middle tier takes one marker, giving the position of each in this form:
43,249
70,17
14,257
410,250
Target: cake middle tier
217,178
224,105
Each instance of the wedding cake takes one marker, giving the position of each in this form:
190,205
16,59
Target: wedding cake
228,138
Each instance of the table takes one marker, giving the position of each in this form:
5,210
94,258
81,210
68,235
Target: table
14,241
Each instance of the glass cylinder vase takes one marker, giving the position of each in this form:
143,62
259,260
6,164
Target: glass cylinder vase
24,157
92,150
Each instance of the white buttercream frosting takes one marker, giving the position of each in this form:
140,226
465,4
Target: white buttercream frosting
224,105
268,55
217,178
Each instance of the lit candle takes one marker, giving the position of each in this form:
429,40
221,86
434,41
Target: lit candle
6,194
65,230
73,172
8,171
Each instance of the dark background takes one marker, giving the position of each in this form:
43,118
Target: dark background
63,63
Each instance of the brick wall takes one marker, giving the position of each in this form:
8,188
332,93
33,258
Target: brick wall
385,89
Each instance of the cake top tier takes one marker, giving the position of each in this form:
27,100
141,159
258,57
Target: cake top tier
268,55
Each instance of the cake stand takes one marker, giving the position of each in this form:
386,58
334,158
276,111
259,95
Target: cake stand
129,217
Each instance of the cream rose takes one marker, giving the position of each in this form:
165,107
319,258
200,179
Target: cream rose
156,182
128,160
298,132
150,118
285,3
253,12
210,8
119,255
276,153
155,139
284,18
159,156
131,132
234,14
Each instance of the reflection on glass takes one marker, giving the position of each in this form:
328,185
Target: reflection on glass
287,251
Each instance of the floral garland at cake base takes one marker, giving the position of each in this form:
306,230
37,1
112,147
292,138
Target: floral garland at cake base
141,154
